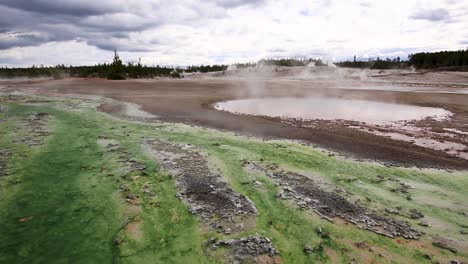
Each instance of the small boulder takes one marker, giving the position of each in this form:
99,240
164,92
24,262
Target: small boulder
308,249
444,244
322,233
415,214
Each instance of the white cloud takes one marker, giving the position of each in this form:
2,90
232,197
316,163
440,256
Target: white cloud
220,31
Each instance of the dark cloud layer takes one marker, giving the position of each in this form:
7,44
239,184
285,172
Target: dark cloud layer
236,3
70,7
10,40
438,14
105,24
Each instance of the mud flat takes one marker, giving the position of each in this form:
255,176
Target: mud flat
191,101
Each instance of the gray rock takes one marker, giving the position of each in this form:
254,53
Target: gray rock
308,249
391,211
415,214
444,244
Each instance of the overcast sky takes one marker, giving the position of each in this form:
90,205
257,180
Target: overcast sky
181,32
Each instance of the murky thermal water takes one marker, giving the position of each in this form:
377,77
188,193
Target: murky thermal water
311,108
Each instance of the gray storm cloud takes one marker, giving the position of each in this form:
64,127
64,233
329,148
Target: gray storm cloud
32,23
438,14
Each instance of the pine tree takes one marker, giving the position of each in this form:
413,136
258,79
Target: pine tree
117,69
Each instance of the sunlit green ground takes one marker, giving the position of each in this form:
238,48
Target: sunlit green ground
70,188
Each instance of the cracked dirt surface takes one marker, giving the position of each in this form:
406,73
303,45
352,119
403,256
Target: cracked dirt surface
330,205
204,191
253,249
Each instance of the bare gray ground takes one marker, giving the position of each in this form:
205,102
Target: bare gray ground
206,194
330,204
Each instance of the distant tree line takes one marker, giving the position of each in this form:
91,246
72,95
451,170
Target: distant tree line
292,62
285,62
395,63
115,71
245,65
206,68
443,60
98,71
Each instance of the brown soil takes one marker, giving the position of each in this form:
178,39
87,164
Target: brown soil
134,230
190,101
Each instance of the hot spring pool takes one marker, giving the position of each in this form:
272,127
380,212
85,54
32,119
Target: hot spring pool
311,108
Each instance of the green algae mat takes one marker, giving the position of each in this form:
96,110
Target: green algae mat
79,186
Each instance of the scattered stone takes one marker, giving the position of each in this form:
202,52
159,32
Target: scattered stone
34,126
422,223
248,248
112,147
227,231
148,191
204,192
427,256
118,241
136,166
379,179
14,181
403,188
133,199
4,156
124,188
331,204
391,211
361,244
279,145
352,179
257,183
322,233
308,249
25,219
444,244
415,214
132,196
210,241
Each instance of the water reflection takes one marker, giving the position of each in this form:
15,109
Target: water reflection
311,108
